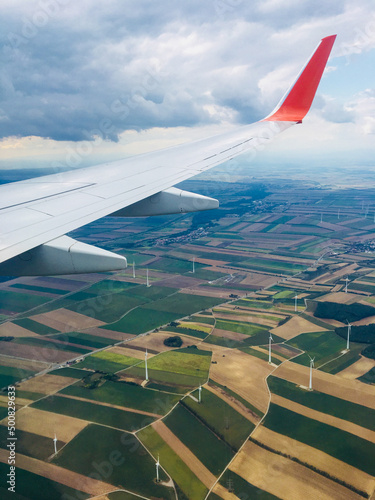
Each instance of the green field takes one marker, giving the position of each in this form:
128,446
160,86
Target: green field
221,418
260,338
186,331
84,339
60,346
369,377
190,485
113,417
184,304
207,447
142,320
69,372
19,302
111,307
107,362
340,444
126,395
35,326
173,265
184,361
34,487
56,291
340,408
239,327
114,457
30,444
322,346
10,374
339,364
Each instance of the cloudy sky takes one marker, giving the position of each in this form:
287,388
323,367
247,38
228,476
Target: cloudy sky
83,82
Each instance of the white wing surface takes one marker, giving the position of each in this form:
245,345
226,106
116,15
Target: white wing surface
36,214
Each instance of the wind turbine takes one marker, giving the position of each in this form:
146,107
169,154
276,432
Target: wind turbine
193,265
200,394
311,368
55,443
146,365
295,302
269,349
157,470
349,332
148,281
346,284
133,269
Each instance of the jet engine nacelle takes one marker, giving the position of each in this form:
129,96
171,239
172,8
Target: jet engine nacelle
169,201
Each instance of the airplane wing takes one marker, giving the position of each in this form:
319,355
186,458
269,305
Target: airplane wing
36,214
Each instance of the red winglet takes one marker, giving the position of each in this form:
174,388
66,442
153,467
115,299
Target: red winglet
297,101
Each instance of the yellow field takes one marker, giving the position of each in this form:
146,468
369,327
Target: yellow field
351,390
46,384
65,320
284,478
241,373
46,423
132,353
357,369
295,326
316,458
339,297
12,330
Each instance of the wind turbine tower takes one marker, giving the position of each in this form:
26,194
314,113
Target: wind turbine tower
55,443
311,368
349,332
146,365
133,269
157,470
346,284
269,349
147,280
200,394
193,265
295,303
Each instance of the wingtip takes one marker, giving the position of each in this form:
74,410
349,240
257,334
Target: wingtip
297,101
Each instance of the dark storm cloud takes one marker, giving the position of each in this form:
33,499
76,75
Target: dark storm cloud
73,70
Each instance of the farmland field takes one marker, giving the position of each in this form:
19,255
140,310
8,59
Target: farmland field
92,412
123,460
208,448
36,487
126,395
360,415
340,444
226,422
107,362
322,346
190,485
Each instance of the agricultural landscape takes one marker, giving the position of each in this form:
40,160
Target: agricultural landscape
177,378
